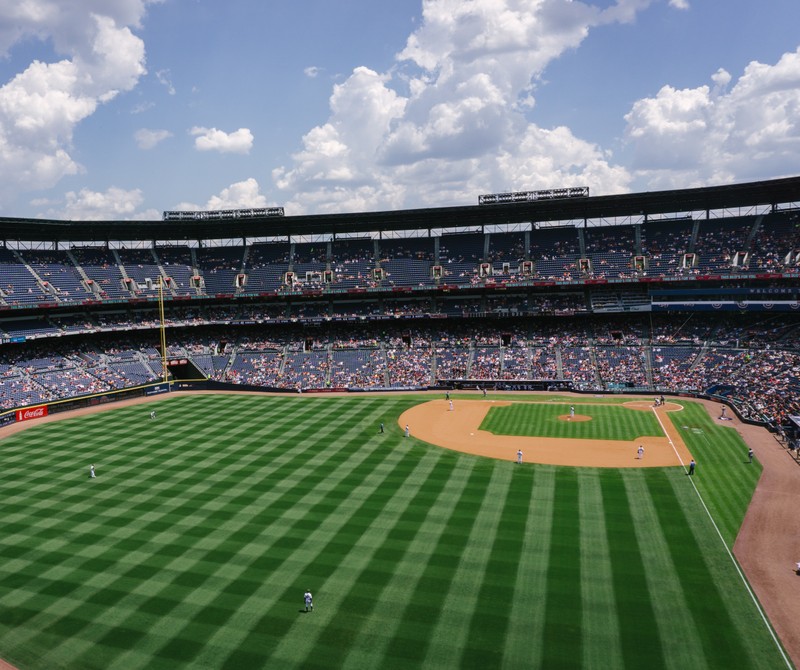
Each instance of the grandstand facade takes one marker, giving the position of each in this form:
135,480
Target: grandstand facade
687,291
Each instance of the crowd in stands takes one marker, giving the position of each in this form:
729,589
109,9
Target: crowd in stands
754,360
313,332
682,248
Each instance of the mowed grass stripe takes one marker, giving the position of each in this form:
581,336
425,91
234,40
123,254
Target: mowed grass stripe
134,455
272,564
288,550
640,642
386,622
308,532
126,520
527,624
608,422
162,603
263,635
712,619
486,640
412,638
563,639
680,643
601,629
449,636
377,554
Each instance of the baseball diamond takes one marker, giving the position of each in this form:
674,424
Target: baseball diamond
193,545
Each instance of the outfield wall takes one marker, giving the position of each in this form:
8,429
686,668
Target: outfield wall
40,410
32,412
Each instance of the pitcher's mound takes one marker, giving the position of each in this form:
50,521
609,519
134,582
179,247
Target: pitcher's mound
577,417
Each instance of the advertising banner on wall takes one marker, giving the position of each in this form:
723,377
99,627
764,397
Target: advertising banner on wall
29,413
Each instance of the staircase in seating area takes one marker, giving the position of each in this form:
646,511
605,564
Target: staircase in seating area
44,286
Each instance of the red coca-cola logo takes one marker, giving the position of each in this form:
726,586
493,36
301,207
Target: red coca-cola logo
31,413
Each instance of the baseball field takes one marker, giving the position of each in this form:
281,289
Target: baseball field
193,546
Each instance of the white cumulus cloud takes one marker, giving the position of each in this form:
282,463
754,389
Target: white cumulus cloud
147,138
113,203
735,130
41,106
240,195
211,139
450,119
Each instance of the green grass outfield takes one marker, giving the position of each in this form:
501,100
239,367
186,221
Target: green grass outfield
193,547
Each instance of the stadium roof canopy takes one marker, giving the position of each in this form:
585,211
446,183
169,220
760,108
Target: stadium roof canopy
655,203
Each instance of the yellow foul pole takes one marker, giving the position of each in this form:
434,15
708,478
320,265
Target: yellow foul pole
163,329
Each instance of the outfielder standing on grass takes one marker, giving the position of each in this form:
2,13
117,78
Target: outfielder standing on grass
309,601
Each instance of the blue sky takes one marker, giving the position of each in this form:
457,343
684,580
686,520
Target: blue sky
119,109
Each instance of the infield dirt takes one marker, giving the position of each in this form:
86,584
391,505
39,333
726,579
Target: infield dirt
459,430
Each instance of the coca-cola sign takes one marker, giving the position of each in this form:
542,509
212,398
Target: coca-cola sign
31,413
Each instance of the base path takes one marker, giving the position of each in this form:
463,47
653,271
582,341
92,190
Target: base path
434,422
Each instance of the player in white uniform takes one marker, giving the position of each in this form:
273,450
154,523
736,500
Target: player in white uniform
309,601
91,472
